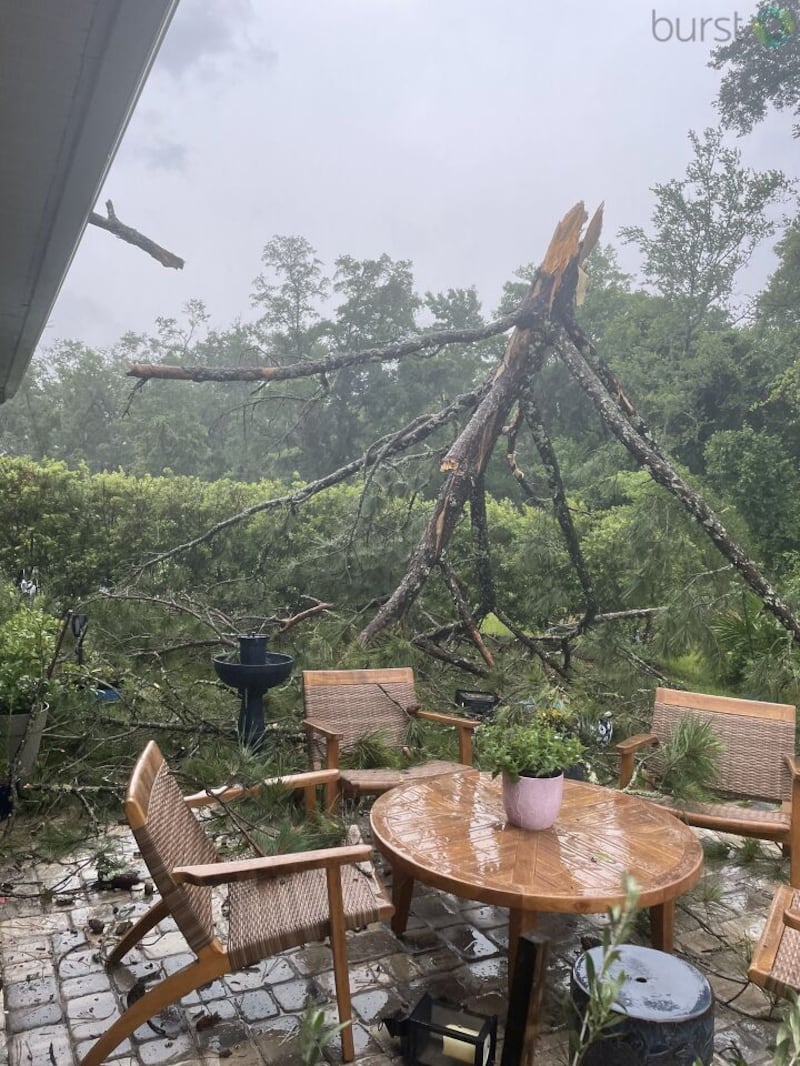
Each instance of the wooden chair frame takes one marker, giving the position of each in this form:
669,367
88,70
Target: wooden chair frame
764,751
373,782
212,959
775,964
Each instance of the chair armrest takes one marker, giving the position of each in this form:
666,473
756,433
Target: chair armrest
632,744
332,739
791,919
793,764
311,726
465,726
291,782
627,749
445,719
265,866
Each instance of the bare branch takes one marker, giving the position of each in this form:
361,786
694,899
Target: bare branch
550,463
316,367
133,236
531,643
469,623
309,612
481,546
446,657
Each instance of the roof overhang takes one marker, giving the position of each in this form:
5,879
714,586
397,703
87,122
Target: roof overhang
70,74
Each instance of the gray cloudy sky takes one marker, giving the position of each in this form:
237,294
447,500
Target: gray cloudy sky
453,133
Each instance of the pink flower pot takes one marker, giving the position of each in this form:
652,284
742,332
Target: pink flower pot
533,802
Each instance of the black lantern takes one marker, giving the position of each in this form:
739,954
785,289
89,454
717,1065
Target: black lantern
437,1034
476,701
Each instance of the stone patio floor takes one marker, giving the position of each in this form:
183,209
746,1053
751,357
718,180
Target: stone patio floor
55,925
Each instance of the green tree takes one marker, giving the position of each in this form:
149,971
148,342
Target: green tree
761,69
753,470
290,297
377,304
705,227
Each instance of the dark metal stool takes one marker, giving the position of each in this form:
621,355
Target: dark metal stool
666,1011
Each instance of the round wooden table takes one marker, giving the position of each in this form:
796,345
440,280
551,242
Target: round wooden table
451,832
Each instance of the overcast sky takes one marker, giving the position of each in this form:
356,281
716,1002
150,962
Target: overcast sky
453,133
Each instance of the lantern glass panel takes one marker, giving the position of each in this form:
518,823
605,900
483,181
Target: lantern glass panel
440,1035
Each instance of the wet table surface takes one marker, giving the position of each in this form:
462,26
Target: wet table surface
451,832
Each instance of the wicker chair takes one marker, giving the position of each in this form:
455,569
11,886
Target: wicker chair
343,705
757,763
775,964
274,902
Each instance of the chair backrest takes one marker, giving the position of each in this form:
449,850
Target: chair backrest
169,835
756,737
357,703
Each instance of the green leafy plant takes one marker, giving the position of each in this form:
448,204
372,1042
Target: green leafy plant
27,641
315,1033
787,1039
687,764
525,745
369,752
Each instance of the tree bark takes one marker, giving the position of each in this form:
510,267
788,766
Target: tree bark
550,463
481,547
465,614
132,236
309,368
469,456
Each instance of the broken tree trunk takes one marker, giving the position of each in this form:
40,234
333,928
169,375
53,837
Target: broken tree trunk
469,456
543,327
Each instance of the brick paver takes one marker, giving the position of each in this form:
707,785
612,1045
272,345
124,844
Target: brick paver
57,996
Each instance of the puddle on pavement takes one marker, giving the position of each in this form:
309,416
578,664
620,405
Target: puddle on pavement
468,942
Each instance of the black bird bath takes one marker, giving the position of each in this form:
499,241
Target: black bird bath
257,671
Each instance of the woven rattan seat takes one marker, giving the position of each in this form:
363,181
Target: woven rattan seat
274,902
343,706
774,822
757,763
775,964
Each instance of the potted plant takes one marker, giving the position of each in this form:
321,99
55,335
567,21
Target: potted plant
531,753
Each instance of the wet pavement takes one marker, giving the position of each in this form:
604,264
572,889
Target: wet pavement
56,925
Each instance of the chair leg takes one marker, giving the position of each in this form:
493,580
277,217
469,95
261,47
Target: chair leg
341,972
794,866
200,972
143,926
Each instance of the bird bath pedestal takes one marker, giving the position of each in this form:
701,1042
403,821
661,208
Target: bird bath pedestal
256,671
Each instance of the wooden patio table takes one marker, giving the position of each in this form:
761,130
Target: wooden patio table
451,832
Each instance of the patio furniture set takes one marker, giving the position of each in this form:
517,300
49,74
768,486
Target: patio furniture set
442,823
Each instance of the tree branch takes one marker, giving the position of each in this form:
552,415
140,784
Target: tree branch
662,471
392,444
132,236
465,614
481,547
469,456
550,463
316,367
